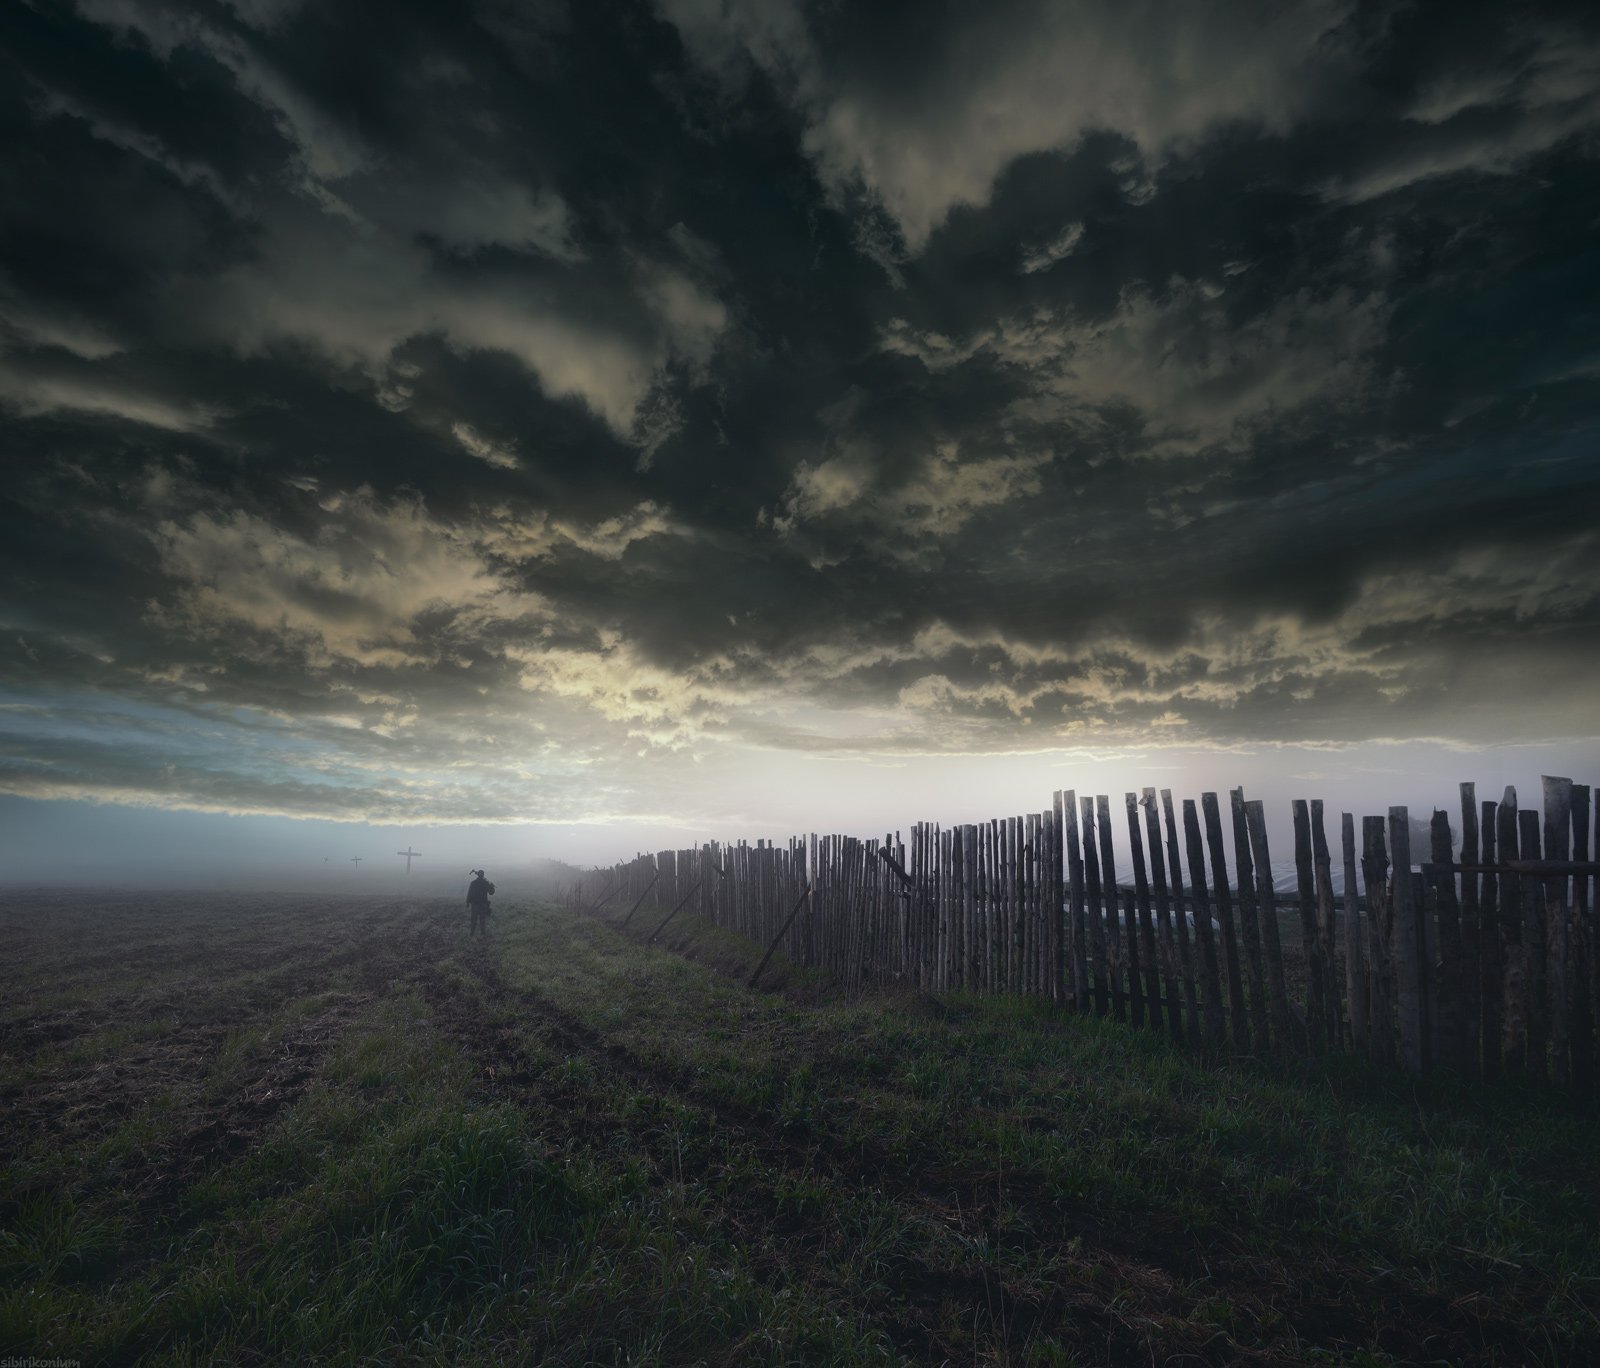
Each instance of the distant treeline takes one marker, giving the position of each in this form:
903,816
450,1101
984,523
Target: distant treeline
1475,953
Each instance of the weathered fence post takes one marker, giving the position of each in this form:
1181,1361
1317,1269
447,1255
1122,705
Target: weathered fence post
1327,928
1535,986
1168,956
1410,969
1471,938
1558,846
1077,920
1585,973
1514,988
1380,923
1181,926
1230,935
1355,960
1452,965
1491,954
1147,993
1094,909
1215,1030
1316,1030
1267,900
1245,867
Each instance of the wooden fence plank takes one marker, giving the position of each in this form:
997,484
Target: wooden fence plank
1116,950
1215,1030
1310,944
1558,847
1450,1000
1491,954
994,980
1471,938
1267,902
1094,910
1249,921
1142,941
1410,974
1077,919
1355,960
1586,985
1030,903
1238,1013
1186,964
1514,1045
1327,929
1054,901
1535,986
969,913
1167,955
1586,1060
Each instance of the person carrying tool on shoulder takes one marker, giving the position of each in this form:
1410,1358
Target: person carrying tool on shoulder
478,892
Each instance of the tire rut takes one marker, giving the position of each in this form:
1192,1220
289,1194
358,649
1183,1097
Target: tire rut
923,1291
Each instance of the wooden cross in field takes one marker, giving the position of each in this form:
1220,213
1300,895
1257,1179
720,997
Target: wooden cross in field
410,855
356,861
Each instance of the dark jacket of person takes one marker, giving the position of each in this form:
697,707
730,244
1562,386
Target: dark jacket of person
478,892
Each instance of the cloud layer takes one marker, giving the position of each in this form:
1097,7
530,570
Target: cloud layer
577,399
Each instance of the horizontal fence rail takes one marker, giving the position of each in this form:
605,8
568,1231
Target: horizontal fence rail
1474,953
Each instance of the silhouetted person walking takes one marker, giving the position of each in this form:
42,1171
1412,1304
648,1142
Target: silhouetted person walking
478,892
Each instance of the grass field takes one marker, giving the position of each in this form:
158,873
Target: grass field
273,1129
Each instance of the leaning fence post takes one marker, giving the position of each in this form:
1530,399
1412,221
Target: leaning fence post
641,898
670,915
771,949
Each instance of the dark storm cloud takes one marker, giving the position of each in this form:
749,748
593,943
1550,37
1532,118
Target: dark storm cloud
487,412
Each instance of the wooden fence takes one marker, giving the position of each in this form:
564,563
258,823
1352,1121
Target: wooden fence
1477,956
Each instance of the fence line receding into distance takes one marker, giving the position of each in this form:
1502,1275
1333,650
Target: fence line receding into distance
1475,954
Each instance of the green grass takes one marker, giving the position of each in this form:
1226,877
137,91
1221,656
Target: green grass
362,1138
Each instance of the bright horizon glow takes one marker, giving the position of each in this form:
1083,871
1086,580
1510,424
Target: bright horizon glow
68,843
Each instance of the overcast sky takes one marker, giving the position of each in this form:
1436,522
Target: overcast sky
615,425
